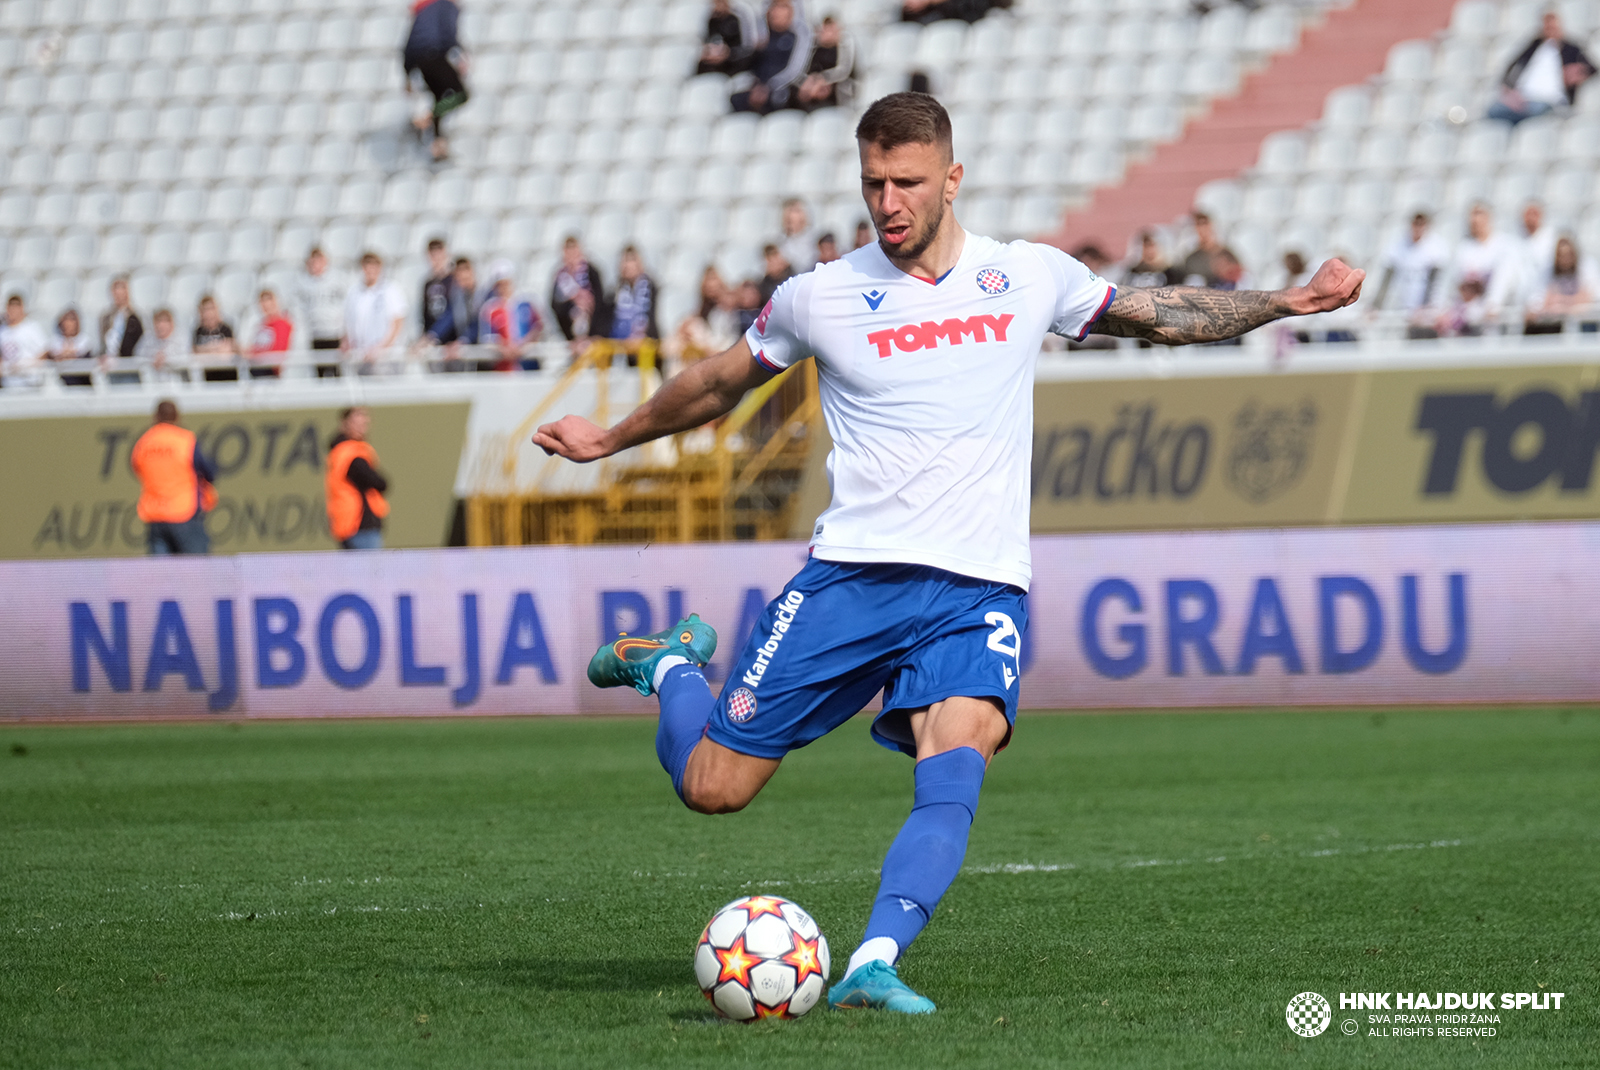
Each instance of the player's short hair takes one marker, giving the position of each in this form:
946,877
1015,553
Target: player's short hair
435,243
167,411
906,119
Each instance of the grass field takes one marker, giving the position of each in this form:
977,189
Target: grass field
1141,891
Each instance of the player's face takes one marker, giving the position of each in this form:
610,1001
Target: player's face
907,189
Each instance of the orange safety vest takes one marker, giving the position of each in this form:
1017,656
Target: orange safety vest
163,459
344,500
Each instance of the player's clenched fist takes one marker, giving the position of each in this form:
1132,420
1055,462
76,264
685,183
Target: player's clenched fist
1335,285
572,437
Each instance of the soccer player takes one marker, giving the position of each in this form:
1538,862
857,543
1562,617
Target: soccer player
925,345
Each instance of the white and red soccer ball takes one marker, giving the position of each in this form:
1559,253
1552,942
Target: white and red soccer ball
762,957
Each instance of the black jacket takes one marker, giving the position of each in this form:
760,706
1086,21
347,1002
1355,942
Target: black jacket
433,30
1570,53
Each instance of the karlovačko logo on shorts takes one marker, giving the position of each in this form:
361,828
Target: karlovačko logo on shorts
1308,1014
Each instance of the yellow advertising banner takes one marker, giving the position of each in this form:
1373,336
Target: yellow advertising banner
69,491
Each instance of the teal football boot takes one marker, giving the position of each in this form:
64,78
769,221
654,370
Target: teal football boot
632,659
876,984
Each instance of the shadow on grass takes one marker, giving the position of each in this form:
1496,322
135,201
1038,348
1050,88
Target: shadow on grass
584,974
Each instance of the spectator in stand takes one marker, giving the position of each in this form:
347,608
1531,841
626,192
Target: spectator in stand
777,269
1152,269
1570,288
926,11
162,347
577,296
1095,259
271,339
749,303
1488,258
1537,248
428,52
799,244
354,486
23,343
732,33
863,235
827,248
437,286
175,486
1295,272
633,309
1544,76
509,321
779,63
1199,268
713,327
319,307
69,342
374,312
1467,314
830,73
458,326
120,326
213,337
1411,268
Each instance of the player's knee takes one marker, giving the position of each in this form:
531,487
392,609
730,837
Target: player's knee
713,798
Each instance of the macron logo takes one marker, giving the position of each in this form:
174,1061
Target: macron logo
874,299
926,335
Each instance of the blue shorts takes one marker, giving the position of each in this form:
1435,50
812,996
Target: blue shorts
841,631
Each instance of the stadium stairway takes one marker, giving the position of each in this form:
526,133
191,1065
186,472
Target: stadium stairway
1350,46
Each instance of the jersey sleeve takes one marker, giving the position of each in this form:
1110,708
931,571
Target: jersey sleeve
1082,297
778,337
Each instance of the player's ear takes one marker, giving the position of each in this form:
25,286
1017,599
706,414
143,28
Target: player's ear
952,181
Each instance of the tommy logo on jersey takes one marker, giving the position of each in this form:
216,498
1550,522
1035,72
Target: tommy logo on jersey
927,335
992,281
874,299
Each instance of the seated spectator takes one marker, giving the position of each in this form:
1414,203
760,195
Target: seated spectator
732,34
577,295
1411,268
120,326
1467,314
374,312
799,243
633,309
1544,76
1570,289
1199,268
436,287
162,347
864,235
1152,269
1488,258
779,63
509,321
69,342
777,269
829,80
271,339
213,338
749,304
827,248
23,343
926,11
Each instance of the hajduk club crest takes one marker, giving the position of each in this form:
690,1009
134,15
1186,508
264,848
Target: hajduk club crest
993,282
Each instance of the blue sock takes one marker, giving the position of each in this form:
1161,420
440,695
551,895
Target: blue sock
925,858
686,704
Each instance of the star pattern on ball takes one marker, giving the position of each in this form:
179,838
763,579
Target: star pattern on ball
736,963
804,959
780,1011
758,905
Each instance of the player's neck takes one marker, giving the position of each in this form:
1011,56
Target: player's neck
935,262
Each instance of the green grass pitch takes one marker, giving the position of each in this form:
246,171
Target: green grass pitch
1141,891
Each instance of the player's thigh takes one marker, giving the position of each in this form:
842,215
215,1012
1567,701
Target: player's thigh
960,721
719,780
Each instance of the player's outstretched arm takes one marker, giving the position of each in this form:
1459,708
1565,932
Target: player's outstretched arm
1180,315
698,394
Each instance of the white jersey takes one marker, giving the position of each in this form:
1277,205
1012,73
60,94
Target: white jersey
927,389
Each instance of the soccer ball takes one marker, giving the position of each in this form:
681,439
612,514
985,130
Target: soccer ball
762,957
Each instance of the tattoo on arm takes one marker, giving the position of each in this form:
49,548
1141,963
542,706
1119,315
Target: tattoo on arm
1179,315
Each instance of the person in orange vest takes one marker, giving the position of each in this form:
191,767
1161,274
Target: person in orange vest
175,486
356,507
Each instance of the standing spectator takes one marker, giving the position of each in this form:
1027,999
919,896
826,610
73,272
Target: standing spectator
799,244
732,34
863,234
830,73
1152,269
748,303
319,307
162,347
1466,315
175,486
1411,267
428,52
1544,76
713,327
1537,249
776,268
271,339
509,321
374,312
213,337
779,63
458,326
1198,268
120,327
1570,286
827,248
437,286
633,309
1488,258
23,343
577,296
354,486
